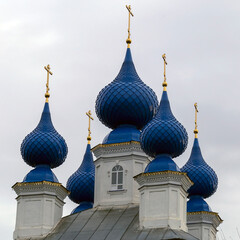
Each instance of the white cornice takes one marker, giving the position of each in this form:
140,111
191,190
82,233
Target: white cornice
163,178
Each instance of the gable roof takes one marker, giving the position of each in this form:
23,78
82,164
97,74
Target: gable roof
117,223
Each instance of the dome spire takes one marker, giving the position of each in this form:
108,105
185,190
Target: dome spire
164,74
203,176
47,94
128,41
89,114
196,126
81,183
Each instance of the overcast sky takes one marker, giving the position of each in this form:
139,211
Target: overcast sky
84,43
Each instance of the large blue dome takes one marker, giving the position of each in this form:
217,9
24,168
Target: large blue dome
164,134
126,100
44,145
203,176
81,183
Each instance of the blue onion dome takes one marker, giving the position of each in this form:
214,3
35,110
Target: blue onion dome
44,145
202,175
127,100
81,183
41,173
164,135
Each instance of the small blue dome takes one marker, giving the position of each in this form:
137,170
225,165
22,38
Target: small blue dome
126,100
81,183
44,145
164,134
202,175
41,173
197,204
162,162
123,133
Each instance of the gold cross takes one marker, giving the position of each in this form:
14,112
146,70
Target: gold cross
196,111
164,74
89,114
47,94
128,41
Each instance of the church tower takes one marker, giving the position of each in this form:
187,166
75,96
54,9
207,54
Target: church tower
40,195
163,187
201,220
125,105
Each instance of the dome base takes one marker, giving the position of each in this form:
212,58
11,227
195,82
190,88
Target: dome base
82,206
197,204
41,173
162,162
123,133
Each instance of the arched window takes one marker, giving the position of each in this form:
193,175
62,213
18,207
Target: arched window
117,178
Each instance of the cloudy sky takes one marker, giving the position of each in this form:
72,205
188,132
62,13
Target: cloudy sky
84,42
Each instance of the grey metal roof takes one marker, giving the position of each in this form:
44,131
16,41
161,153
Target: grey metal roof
120,223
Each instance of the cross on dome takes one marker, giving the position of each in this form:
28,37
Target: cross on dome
196,130
128,41
89,114
164,74
47,94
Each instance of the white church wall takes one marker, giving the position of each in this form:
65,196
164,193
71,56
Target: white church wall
132,160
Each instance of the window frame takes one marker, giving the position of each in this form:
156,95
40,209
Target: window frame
117,178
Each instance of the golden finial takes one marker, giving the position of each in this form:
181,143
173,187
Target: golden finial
47,94
89,125
164,74
196,130
128,41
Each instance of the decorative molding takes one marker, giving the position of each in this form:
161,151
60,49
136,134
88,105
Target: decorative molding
163,178
204,217
116,192
126,147
37,188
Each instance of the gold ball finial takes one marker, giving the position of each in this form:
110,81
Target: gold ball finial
47,95
89,138
195,131
128,41
164,84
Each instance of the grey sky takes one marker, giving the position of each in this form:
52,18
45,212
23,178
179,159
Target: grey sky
84,42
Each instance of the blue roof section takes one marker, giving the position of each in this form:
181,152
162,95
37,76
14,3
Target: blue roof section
81,183
123,133
82,206
41,173
197,204
162,162
127,99
44,145
164,134
204,178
